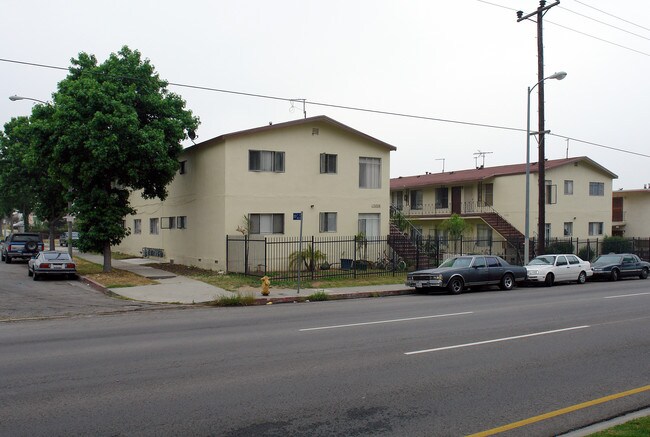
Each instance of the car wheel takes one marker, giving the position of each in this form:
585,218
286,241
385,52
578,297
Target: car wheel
455,285
8,259
507,282
35,277
614,275
644,274
582,278
550,280
2,256
29,272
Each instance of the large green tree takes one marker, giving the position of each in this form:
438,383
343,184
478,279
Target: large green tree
118,129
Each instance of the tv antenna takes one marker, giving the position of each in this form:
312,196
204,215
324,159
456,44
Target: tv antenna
481,155
443,163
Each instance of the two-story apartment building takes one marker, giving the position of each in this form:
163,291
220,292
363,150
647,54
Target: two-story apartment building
630,212
492,200
256,180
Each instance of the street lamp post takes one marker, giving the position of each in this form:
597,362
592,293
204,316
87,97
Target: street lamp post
559,76
69,217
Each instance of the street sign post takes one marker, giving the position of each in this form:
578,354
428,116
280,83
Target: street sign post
298,216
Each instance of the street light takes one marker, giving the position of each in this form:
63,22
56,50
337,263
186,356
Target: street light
559,76
69,218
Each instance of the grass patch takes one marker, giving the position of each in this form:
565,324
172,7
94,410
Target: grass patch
234,282
115,279
318,296
634,428
236,299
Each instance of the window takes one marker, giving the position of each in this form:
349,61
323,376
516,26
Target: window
327,222
489,194
168,223
265,160
416,199
266,223
181,222
595,228
596,188
561,261
483,235
550,196
137,226
397,199
568,188
369,225
153,226
479,262
369,172
568,229
442,197
327,163
573,259
492,261
182,168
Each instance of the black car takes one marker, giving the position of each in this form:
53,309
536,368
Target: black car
468,271
614,266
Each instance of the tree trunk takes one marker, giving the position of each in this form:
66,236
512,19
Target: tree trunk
52,229
107,257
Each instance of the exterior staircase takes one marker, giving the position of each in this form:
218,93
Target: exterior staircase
512,235
405,247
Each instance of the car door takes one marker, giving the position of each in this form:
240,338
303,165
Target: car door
630,266
561,268
574,267
478,272
495,269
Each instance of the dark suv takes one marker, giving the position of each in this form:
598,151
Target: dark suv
22,245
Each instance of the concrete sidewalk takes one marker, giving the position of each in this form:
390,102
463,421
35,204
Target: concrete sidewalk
171,288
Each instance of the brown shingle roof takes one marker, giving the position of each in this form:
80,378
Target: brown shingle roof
480,174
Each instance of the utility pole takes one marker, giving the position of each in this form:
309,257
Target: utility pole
541,218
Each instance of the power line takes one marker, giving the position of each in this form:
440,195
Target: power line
605,24
350,108
611,15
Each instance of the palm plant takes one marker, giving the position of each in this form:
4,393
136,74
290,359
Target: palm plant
310,258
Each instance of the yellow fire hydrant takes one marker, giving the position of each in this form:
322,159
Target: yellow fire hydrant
266,282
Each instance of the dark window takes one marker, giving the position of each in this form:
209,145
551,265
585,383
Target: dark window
596,188
442,197
266,223
492,261
327,163
181,222
168,222
265,160
182,167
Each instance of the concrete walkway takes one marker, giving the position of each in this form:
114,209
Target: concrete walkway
171,288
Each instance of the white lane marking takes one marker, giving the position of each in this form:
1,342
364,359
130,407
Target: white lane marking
385,321
496,340
625,295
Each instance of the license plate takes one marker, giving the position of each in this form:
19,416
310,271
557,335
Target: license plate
418,284
57,266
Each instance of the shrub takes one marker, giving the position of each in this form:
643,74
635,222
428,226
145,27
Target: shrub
559,247
616,245
587,253
319,295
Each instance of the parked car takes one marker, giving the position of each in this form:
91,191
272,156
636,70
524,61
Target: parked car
614,266
460,272
550,269
22,245
51,263
63,239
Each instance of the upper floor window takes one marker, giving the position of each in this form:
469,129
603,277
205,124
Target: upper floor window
266,223
568,188
182,169
266,160
153,226
168,223
596,188
181,222
550,193
442,197
369,172
327,163
327,222
137,226
416,199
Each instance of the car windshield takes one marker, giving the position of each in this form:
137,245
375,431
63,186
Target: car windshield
56,256
457,262
542,261
608,259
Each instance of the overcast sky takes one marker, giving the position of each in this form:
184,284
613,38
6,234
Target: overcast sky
463,60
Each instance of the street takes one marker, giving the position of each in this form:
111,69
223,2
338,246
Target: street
410,365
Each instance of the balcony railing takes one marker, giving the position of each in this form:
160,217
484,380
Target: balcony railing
436,209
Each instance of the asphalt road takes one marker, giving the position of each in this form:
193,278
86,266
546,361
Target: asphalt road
434,365
22,298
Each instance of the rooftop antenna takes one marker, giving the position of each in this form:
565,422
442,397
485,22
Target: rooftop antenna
304,109
478,155
443,163
567,148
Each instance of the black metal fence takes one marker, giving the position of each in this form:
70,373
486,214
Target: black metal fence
323,257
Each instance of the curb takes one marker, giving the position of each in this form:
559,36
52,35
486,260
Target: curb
334,296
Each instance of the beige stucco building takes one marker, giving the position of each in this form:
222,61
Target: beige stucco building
256,180
630,212
492,200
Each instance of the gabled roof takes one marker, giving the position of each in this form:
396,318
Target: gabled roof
481,174
309,120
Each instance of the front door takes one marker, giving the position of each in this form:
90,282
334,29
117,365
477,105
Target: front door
455,200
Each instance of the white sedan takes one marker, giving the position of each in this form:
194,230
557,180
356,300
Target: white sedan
51,263
549,269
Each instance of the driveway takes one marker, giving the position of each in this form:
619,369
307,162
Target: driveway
23,298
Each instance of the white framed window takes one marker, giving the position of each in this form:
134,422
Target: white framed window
595,228
181,222
327,222
483,235
568,229
168,223
328,163
153,226
369,225
266,223
369,172
568,188
137,226
596,188
266,160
